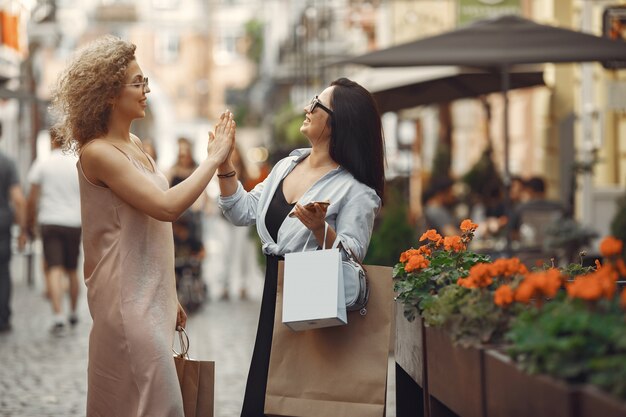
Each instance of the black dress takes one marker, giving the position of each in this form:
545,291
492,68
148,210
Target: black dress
254,399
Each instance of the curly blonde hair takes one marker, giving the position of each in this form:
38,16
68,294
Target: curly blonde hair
85,89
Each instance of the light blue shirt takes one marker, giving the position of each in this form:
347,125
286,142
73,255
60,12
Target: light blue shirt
353,207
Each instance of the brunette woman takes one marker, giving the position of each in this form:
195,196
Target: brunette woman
344,166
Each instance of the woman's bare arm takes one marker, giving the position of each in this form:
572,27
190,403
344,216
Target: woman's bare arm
109,166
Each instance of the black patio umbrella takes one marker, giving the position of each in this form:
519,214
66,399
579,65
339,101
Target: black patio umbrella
494,43
498,44
403,87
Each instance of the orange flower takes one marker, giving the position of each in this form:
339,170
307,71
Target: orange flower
503,296
425,250
406,255
524,292
586,289
550,282
537,284
611,246
466,282
507,267
416,262
593,286
481,275
453,243
431,235
598,264
467,225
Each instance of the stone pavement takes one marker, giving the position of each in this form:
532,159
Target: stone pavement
43,375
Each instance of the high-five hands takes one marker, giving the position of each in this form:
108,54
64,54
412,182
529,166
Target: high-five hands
222,140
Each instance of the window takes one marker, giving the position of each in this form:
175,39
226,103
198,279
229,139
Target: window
167,45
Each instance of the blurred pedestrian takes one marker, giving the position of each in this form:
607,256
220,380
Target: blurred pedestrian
439,201
517,193
185,163
239,245
12,209
189,253
531,217
183,167
345,166
54,204
127,208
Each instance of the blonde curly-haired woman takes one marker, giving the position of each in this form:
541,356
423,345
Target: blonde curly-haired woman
127,209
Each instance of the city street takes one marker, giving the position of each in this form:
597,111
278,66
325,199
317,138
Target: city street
43,375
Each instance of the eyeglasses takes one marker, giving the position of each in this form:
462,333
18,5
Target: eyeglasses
143,84
317,103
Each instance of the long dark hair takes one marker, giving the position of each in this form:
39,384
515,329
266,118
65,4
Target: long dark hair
357,141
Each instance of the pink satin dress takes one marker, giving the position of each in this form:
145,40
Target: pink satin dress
131,292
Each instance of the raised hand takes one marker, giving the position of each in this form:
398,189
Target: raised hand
222,141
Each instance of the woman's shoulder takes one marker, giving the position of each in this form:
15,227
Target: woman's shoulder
96,148
135,139
294,156
100,151
350,181
353,188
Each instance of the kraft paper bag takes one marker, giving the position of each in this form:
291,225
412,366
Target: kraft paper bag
335,371
313,292
197,384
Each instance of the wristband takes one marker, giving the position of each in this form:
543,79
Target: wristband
227,175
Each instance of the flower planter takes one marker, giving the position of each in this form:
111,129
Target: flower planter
411,381
409,352
511,392
594,402
454,374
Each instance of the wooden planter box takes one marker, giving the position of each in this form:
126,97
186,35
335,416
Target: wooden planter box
513,393
594,402
411,380
454,374
409,345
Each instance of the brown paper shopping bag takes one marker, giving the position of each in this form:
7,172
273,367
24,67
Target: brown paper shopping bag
334,371
197,381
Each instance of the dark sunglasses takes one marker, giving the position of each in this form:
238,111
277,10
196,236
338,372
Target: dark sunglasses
317,103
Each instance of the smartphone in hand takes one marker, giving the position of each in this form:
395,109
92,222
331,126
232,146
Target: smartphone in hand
310,206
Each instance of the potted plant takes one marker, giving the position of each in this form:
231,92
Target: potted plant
577,337
420,275
440,261
563,330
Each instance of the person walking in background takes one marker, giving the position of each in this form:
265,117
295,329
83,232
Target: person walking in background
438,202
54,204
183,167
185,163
344,166
127,208
12,209
239,245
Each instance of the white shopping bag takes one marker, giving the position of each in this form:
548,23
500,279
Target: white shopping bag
313,290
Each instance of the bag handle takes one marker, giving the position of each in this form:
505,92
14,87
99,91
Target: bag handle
310,234
184,343
339,244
